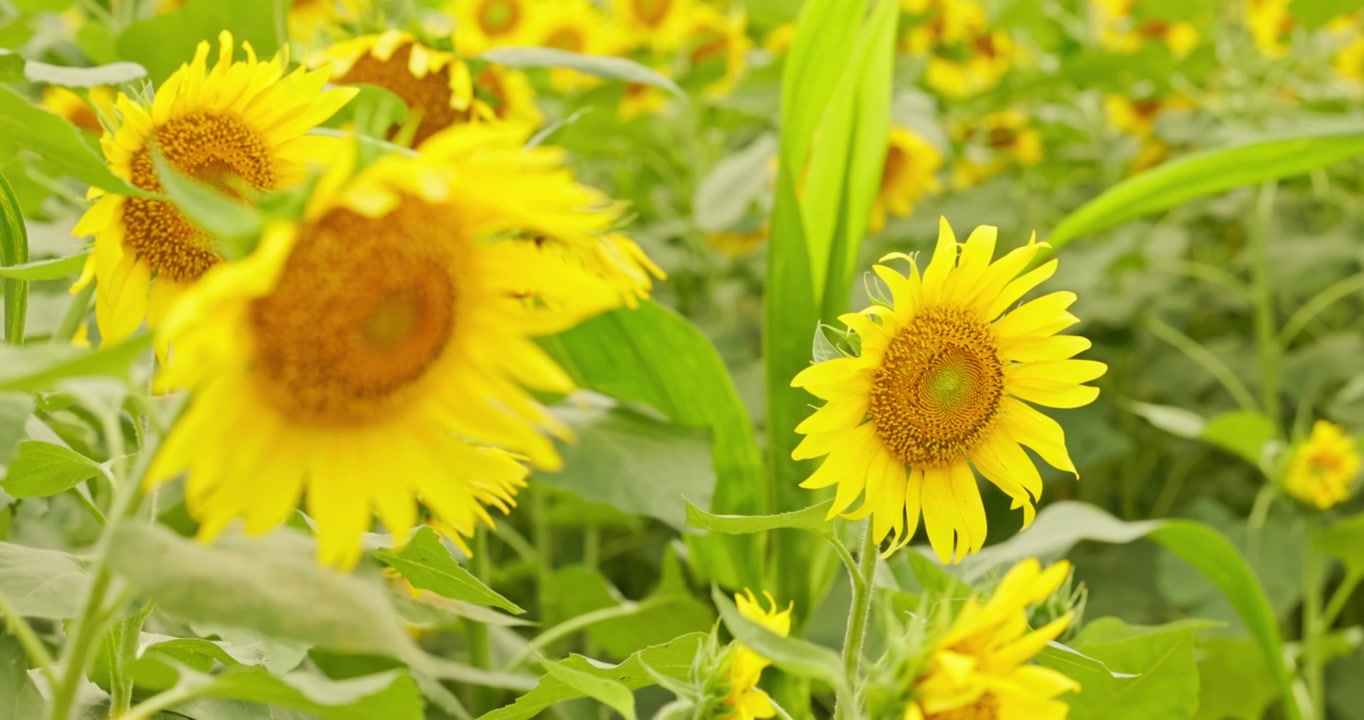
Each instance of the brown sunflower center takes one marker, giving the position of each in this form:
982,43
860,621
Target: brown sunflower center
566,38
217,148
939,387
362,310
428,95
651,12
710,44
897,162
498,16
986,708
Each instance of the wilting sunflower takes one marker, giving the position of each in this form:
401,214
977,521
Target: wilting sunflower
745,701
910,172
411,389
1322,469
943,384
76,110
484,24
717,44
433,83
979,670
657,24
237,122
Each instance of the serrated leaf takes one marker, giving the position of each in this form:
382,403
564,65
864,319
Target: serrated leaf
84,77
811,519
42,583
797,657
602,66
59,142
605,690
41,469
428,565
52,269
41,367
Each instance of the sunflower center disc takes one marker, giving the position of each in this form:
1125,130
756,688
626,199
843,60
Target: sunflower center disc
217,148
362,310
651,12
986,708
938,390
498,16
428,95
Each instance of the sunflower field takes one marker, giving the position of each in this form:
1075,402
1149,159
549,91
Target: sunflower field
681,359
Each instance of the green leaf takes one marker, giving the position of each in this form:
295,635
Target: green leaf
602,66
233,224
1174,420
811,519
617,446
666,613
673,659
53,269
428,565
1163,681
84,77
15,409
1205,173
797,657
40,367
19,697
1242,433
1344,540
41,469
726,193
11,66
162,43
651,355
389,695
1060,526
13,251
60,143
605,690
1313,14
42,583
1233,681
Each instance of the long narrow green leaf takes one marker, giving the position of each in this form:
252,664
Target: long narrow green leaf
53,269
1206,173
59,142
13,251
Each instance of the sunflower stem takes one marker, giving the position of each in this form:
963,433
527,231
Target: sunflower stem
480,645
1336,604
1266,336
1312,626
75,313
17,626
857,622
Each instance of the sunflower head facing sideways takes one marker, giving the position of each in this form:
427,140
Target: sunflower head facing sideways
944,389
235,123
415,390
909,173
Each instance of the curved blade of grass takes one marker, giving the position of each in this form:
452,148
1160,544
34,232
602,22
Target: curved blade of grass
53,269
1205,173
13,251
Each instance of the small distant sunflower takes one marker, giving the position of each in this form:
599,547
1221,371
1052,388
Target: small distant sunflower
308,17
640,99
1138,118
717,40
657,24
1349,60
1270,24
238,121
508,94
745,701
965,55
573,26
779,39
979,670
434,83
910,172
412,389
484,24
1120,32
994,144
74,108
943,384
1322,469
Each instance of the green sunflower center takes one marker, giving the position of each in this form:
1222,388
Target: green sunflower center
938,391
363,309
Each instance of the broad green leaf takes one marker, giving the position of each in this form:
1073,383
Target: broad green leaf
1060,526
616,448
1160,660
1315,13
49,6
53,269
42,583
1233,680
602,66
605,690
41,469
40,367
673,659
428,565
1344,540
19,697
233,224
15,408
1241,433
1205,173
651,355
390,694
11,66
666,613
163,43
811,519
13,251
59,142
794,655
85,77
726,193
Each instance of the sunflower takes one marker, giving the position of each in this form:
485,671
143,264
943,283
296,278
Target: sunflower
484,24
942,385
239,121
1120,32
433,83
412,389
965,56
910,172
1270,23
779,39
658,24
76,110
613,259
717,43
744,700
640,99
994,144
574,26
508,94
1349,59
308,17
1322,469
1138,118
979,668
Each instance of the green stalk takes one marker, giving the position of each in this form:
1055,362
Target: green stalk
1313,628
75,313
19,627
1338,599
543,539
857,622
1266,336
480,645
